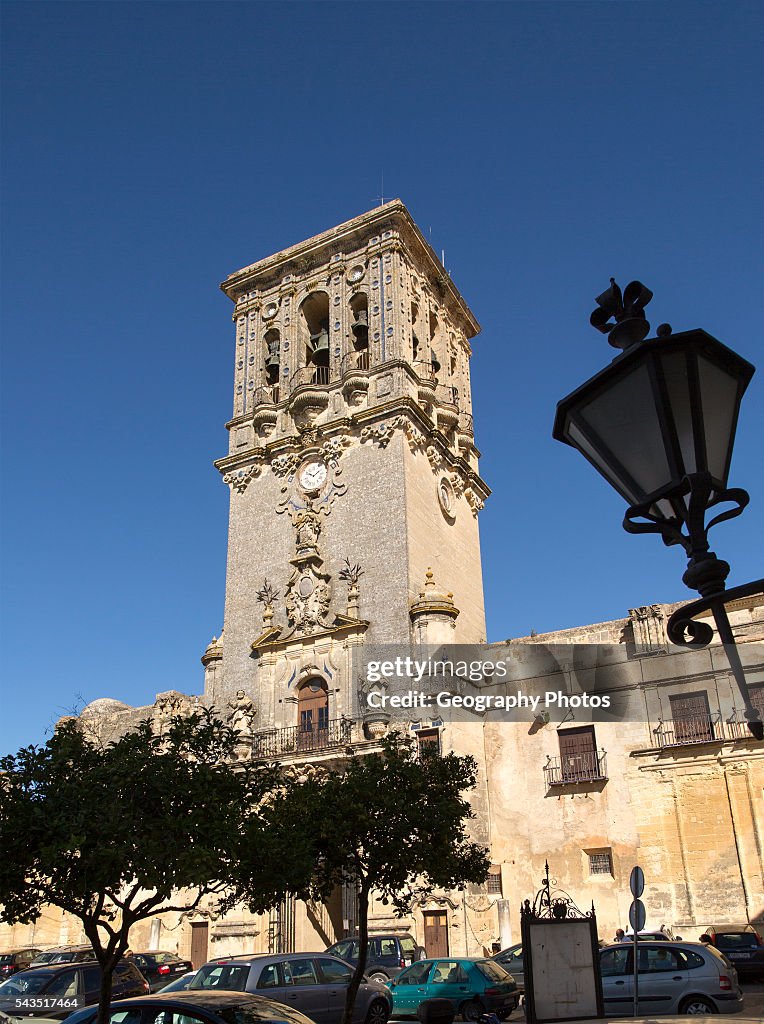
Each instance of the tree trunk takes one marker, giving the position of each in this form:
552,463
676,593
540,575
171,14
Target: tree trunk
363,949
104,996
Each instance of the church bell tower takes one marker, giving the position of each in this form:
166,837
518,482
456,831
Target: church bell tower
352,469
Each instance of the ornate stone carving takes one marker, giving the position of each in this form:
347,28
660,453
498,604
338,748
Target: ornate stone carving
414,436
307,599
306,772
242,714
285,465
307,523
351,574
333,448
458,483
381,434
648,624
267,597
475,503
239,478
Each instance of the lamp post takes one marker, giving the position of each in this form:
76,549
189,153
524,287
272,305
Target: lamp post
659,424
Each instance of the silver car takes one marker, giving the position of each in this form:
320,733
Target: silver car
313,983
674,977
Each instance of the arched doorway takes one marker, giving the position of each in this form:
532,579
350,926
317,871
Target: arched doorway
312,714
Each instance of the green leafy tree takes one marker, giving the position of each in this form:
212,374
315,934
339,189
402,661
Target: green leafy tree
115,834
389,823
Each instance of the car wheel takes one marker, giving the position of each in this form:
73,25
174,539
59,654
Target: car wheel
380,977
697,1004
471,1010
378,1012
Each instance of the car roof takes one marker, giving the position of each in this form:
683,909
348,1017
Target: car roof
55,968
253,958
658,942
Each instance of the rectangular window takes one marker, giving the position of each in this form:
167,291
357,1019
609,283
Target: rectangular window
429,738
692,717
601,863
578,754
756,694
494,880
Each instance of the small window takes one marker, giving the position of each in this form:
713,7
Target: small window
756,694
655,959
334,973
415,975
494,880
613,962
428,739
601,863
299,972
269,977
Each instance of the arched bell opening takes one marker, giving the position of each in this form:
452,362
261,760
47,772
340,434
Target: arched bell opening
272,342
315,334
359,306
434,342
312,714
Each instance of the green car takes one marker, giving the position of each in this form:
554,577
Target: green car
473,984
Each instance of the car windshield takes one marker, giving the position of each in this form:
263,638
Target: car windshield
24,983
736,940
229,976
491,970
5,958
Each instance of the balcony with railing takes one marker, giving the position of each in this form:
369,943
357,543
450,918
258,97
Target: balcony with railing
694,729
586,766
275,743
318,376
354,361
267,394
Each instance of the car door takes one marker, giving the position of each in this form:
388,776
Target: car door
449,980
336,977
410,988
662,979
304,989
617,984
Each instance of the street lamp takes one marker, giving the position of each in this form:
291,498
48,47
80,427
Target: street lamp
659,424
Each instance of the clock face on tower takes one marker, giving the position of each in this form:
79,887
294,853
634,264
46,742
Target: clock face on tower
312,475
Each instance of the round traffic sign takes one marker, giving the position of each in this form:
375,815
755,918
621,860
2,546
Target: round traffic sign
637,915
637,881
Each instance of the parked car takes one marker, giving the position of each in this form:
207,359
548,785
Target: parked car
474,985
511,959
159,969
15,961
195,1008
674,977
64,955
27,994
313,983
663,935
741,944
180,984
387,955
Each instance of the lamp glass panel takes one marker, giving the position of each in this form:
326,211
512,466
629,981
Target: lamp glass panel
625,417
674,368
720,399
586,449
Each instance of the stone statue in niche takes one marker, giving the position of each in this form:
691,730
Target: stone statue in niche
308,529
242,714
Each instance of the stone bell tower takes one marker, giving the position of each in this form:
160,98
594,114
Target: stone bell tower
352,466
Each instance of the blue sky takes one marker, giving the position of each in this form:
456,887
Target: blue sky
151,149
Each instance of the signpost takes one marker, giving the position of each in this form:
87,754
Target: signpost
637,918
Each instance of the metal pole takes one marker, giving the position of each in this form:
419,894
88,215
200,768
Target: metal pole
727,637
636,975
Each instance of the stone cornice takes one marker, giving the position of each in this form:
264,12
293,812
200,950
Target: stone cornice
319,249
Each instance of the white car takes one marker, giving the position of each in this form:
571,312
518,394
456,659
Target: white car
674,977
